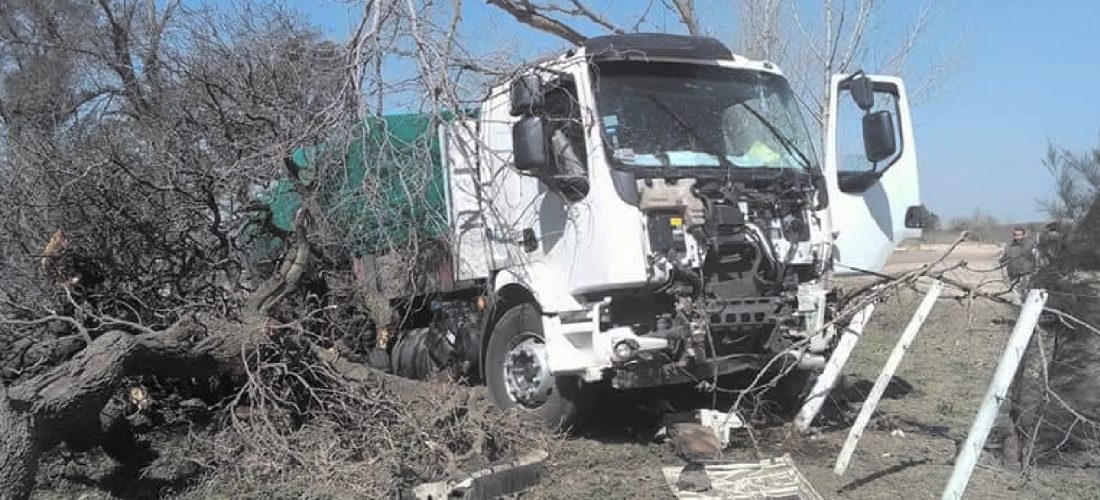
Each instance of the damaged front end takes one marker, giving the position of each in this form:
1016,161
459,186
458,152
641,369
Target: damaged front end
735,279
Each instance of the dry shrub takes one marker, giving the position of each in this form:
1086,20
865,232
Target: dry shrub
360,433
1056,408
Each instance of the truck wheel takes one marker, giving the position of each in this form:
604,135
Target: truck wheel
518,376
410,358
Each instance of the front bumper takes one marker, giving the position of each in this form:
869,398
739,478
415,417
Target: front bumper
582,348
676,373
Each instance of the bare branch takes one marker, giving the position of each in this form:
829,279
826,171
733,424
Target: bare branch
686,10
526,13
583,10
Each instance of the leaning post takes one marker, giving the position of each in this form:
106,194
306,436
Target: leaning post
883,380
995,394
827,379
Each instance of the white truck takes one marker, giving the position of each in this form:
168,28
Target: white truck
649,210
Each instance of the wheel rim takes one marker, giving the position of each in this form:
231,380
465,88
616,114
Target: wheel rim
527,375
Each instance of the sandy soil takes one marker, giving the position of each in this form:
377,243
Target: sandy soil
980,255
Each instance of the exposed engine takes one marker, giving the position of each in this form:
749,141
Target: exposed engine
727,261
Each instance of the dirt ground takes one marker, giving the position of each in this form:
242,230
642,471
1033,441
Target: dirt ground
977,258
937,391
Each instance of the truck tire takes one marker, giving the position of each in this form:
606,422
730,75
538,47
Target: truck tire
410,358
517,374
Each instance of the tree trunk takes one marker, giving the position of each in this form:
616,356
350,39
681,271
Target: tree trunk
66,404
18,453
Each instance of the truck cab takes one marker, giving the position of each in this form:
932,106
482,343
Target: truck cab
650,210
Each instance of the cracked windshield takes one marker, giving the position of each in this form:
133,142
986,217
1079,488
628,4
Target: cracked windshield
690,115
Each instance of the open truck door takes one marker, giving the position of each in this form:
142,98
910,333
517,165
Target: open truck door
870,170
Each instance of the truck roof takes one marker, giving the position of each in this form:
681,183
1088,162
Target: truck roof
660,47
656,45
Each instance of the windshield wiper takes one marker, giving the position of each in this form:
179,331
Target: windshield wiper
708,148
815,174
789,145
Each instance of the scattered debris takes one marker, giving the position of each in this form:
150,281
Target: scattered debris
694,442
721,422
491,482
693,478
139,398
774,478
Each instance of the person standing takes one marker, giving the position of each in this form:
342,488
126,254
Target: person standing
1052,243
1020,258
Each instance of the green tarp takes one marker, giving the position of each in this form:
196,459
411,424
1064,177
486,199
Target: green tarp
378,185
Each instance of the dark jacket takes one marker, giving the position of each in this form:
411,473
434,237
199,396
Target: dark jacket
1020,258
1052,244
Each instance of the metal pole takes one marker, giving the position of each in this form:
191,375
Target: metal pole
887,374
995,394
828,376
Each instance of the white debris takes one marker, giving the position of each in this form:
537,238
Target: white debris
771,478
721,422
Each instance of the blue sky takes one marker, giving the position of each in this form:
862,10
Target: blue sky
1027,74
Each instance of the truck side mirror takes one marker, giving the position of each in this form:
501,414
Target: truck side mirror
916,217
862,90
530,150
878,136
527,95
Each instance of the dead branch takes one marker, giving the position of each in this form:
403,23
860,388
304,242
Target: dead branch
686,10
579,8
527,13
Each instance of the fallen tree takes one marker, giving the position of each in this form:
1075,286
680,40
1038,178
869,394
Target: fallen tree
445,431
67,404
130,224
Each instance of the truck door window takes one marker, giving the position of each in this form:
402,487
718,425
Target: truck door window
855,173
570,156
